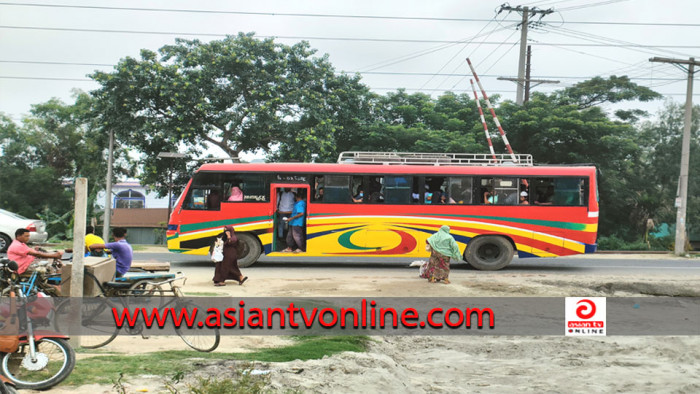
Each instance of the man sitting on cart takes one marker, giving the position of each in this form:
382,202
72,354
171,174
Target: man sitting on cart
23,254
121,250
91,239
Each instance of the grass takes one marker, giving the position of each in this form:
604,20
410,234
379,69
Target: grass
106,369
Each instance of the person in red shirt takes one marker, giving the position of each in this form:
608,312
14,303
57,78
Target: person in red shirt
23,255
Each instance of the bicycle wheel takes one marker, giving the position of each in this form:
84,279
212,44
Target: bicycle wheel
98,327
194,337
55,360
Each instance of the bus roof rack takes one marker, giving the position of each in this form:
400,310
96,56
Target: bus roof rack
434,159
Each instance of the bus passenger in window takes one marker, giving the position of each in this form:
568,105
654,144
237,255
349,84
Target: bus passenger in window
236,194
319,194
490,197
523,198
546,198
213,200
376,197
359,197
524,185
296,238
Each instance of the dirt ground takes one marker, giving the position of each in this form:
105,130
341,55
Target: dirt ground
417,364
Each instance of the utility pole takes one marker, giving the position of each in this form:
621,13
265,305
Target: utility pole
108,189
682,198
526,12
527,74
527,79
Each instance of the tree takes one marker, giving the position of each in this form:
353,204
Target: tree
660,140
239,94
599,90
55,143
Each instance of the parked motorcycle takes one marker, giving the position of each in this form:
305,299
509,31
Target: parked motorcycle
43,358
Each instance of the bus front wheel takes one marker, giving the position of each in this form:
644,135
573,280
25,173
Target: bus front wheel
250,251
489,253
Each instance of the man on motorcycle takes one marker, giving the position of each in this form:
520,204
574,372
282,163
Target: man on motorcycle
23,254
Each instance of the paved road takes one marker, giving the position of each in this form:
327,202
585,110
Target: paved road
595,264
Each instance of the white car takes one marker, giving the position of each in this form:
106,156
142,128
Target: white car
10,222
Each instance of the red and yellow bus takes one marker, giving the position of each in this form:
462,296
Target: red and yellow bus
388,204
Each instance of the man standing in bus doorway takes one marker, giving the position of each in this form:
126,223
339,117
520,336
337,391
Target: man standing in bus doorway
296,238
285,206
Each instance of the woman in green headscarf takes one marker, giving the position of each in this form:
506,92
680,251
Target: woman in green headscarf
442,247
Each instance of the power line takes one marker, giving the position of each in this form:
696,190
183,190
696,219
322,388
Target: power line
310,15
577,7
365,39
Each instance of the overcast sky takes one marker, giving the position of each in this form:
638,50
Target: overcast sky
47,49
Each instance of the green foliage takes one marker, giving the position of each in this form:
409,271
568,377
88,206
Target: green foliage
241,382
239,94
41,157
599,90
615,243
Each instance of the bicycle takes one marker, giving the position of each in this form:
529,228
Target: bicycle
98,321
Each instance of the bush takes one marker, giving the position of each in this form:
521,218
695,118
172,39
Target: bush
615,243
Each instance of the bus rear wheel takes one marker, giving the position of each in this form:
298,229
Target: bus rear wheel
250,250
489,253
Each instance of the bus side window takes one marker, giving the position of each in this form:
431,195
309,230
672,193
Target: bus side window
568,192
544,191
245,187
337,189
459,190
397,190
507,191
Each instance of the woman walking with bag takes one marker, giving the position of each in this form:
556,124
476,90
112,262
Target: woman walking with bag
227,268
442,247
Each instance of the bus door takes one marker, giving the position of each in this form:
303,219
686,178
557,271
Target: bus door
282,204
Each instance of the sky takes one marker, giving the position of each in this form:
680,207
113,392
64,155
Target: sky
48,47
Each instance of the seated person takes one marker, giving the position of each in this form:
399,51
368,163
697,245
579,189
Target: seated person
90,239
214,200
359,197
547,197
523,198
488,196
236,194
376,197
23,255
121,250
319,194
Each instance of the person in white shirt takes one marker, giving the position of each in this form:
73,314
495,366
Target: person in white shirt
285,206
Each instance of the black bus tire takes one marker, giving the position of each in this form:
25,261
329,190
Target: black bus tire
489,252
251,249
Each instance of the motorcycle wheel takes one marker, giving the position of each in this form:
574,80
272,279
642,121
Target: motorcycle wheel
55,361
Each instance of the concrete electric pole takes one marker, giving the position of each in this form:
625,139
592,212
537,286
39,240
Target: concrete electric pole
526,13
682,198
527,79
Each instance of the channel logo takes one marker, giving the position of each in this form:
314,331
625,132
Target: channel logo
585,316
